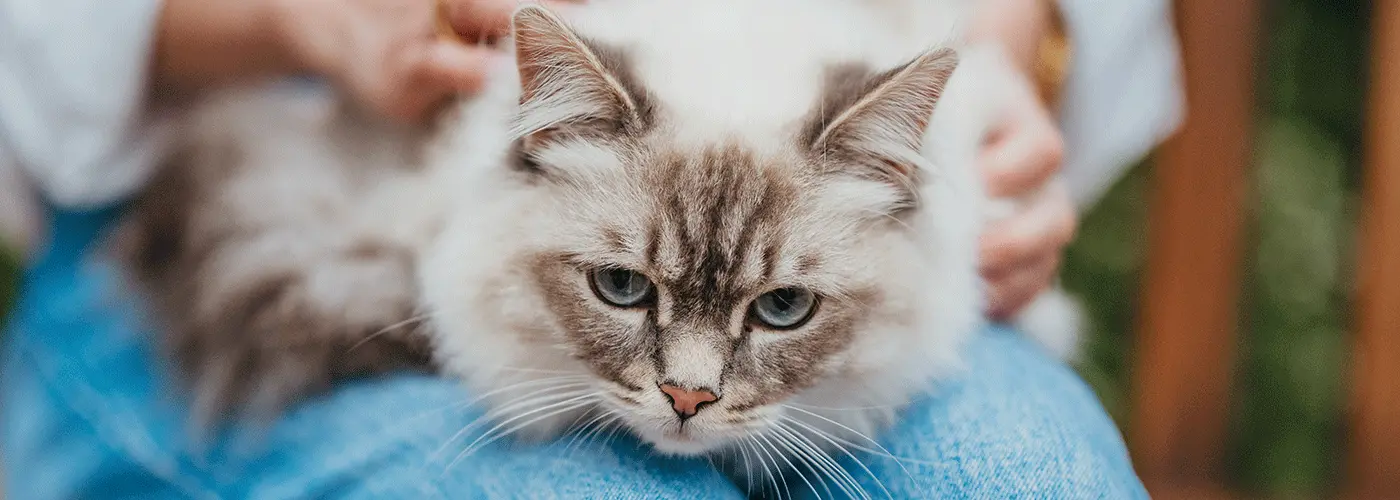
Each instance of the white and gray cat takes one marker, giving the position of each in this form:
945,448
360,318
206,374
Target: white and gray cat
715,224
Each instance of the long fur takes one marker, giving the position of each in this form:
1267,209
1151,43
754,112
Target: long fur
723,149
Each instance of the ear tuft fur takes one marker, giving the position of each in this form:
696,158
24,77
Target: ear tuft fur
567,80
883,128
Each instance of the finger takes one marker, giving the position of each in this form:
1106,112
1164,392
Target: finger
485,18
450,67
1024,156
480,17
430,73
1011,293
1044,227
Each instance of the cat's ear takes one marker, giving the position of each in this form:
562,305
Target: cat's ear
566,80
879,122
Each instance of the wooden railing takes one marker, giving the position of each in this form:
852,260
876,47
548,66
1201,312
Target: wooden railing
1187,333
1373,466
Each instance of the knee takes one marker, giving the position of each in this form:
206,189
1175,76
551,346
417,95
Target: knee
1037,453
1015,424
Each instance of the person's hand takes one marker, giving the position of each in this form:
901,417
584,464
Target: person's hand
1020,255
387,54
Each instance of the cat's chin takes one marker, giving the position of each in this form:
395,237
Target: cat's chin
681,444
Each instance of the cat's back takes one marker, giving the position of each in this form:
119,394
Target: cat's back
291,124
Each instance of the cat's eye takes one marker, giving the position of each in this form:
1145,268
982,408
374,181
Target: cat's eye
621,287
784,308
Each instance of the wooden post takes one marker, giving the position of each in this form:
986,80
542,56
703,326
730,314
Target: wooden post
1373,469
1187,333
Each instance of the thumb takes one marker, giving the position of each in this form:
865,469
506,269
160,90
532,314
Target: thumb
480,18
456,67
486,18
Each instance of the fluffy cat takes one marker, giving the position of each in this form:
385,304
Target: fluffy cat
711,223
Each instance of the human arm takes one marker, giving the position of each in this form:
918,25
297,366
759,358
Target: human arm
386,53
1119,94
1119,100
88,89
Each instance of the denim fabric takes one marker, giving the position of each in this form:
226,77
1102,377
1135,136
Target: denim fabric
88,413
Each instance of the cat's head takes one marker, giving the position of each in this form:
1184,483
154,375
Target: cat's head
699,285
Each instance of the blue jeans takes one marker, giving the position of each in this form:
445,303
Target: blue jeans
88,413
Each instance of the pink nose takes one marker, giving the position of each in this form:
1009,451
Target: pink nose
687,402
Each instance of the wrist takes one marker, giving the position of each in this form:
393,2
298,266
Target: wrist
1054,53
281,55
303,35
1016,25
1034,37
202,44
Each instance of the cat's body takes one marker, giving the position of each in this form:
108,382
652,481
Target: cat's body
716,152
275,243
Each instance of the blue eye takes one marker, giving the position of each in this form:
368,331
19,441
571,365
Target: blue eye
785,308
621,287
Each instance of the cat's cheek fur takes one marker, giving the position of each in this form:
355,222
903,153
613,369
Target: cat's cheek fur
489,322
933,298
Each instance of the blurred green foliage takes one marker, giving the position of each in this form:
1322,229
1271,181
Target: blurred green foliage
1286,428
1102,267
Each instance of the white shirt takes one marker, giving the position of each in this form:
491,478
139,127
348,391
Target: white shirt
1124,94
73,113
72,95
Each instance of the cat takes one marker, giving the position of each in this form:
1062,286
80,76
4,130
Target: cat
709,223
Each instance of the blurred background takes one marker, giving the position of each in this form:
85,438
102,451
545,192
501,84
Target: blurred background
1285,419
1284,423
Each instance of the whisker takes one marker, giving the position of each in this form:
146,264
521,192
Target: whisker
814,460
882,451
843,478
801,459
527,381
886,454
848,408
575,429
767,470
553,400
592,428
748,467
521,399
826,436
544,394
387,329
554,409
474,447
773,453
501,409
535,370
861,464
572,379
838,474
893,218
427,413
618,428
